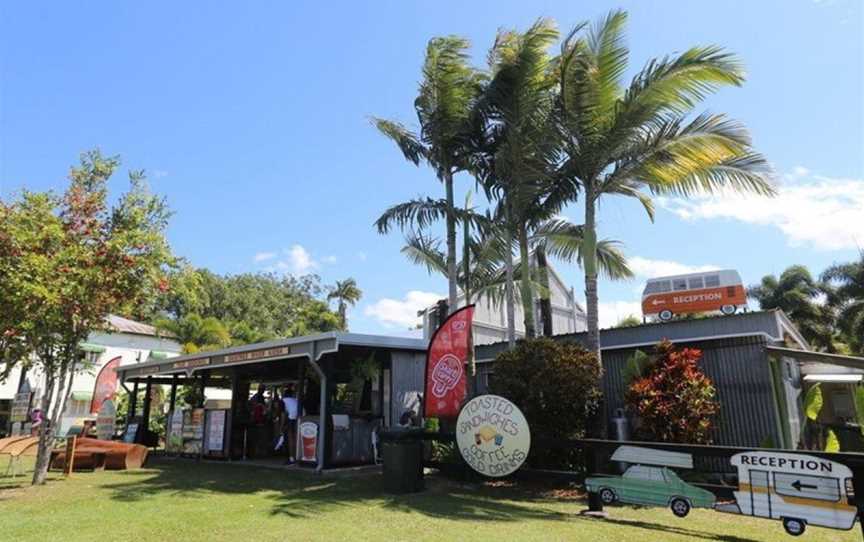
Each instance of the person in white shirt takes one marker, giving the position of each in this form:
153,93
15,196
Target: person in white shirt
289,428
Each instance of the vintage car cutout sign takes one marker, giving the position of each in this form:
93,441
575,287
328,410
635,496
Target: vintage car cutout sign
493,435
650,480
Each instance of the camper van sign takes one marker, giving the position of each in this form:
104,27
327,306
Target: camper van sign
797,489
493,435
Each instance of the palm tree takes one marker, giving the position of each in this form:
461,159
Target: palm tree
637,141
797,294
846,295
443,107
346,293
518,152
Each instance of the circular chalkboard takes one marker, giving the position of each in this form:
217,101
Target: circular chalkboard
493,435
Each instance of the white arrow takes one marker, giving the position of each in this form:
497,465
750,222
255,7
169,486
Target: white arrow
658,302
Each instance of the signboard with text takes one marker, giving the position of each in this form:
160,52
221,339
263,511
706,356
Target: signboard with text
493,435
446,382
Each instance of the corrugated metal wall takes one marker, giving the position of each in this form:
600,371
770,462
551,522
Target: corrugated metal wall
406,381
740,372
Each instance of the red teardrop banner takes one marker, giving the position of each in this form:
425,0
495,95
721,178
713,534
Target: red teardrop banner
446,382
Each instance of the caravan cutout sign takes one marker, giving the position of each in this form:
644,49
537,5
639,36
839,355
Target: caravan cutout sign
493,435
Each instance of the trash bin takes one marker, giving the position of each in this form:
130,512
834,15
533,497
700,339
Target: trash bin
402,452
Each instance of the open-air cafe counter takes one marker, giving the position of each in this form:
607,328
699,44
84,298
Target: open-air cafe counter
346,386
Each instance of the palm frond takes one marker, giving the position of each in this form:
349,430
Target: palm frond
408,143
425,251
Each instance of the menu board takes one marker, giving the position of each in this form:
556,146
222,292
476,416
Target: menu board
21,406
193,431
131,432
216,430
106,420
174,442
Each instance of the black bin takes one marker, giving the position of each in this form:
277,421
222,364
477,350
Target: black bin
403,461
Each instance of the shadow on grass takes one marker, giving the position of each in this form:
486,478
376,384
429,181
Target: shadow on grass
300,495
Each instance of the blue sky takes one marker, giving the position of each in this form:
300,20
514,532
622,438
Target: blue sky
253,121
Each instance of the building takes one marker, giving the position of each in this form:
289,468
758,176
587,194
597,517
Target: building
760,364
490,317
130,341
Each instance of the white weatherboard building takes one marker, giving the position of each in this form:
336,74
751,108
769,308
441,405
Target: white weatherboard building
132,342
490,318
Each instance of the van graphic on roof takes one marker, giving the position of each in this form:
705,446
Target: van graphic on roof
721,290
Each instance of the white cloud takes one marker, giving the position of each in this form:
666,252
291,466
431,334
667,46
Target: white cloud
361,256
811,210
402,313
329,259
612,312
264,256
644,267
299,260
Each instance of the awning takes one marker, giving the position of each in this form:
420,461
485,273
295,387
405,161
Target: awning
81,396
837,378
851,362
155,354
87,347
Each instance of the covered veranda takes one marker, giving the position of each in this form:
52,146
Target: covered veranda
347,385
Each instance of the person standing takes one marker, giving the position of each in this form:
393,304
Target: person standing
289,400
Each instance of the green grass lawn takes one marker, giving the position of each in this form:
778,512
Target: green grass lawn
184,500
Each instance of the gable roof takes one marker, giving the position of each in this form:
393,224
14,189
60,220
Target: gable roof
125,325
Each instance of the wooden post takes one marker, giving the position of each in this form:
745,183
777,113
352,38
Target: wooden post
133,402
145,409
203,388
68,465
593,467
173,398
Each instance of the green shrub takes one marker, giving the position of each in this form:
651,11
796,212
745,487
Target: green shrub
557,387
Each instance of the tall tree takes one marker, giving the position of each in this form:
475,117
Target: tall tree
637,141
71,260
345,293
443,107
798,294
520,152
845,283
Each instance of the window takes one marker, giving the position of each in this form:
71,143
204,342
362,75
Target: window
679,284
638,472
807,487
712,281
695,283
657,287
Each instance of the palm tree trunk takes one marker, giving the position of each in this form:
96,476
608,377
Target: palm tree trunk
451,242
343,314
590,256
546,294
466,288
526,290
509,294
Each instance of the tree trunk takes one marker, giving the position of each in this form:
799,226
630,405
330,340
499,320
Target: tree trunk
466,288
545,294
43,449
526,288
451,242
590,260
595,427
509,294
343,315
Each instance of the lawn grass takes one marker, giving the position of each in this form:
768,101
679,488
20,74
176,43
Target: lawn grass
185,500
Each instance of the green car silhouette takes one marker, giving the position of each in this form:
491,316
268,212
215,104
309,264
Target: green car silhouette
650,485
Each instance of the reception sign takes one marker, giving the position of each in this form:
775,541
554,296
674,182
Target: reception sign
106,385
446,387
493,435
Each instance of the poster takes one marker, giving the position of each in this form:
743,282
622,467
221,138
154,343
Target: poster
106,420
21,404
309,441
446,385
216,430
193,431
106,385
174,442
131,432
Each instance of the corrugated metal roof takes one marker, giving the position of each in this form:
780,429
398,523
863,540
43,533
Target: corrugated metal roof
125,325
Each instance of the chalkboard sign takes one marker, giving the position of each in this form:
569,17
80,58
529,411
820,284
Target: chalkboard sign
131,432
216,423
193,431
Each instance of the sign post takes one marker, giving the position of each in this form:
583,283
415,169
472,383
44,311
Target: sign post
70,455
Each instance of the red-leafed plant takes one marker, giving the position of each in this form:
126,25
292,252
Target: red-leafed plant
673,399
